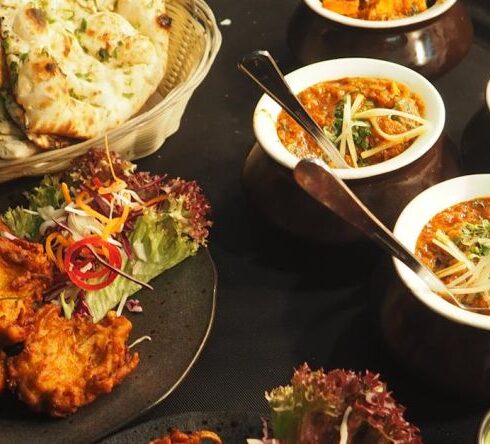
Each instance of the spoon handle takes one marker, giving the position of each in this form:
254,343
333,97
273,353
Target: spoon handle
314,177
261,67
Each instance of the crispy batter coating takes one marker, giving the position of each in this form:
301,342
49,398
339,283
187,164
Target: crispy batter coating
175,436
66,364
25,272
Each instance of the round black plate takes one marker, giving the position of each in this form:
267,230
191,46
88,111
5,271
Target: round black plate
233,428
178,316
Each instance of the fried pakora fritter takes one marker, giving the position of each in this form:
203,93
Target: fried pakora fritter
25,272
175,436
67,363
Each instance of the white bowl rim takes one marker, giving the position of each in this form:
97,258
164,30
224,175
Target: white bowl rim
452,190
432,12
267,110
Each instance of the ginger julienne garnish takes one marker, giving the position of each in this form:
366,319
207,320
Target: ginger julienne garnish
370,120
455,244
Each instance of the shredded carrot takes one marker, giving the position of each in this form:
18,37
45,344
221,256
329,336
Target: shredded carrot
89,210
66,192
122,219
62,240
59,258
116,225
106,140
49,248
114,187
109,228
155,200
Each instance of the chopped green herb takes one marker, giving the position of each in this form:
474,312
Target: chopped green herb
75,95
81,30
128,95
361,134
362,162
476,237
339,119
69,14
23,57
103,55
85,76
14,72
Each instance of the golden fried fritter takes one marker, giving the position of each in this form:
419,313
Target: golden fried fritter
175,436
25,272
67,363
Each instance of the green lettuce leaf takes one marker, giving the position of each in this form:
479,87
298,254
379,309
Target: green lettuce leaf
48,193
22,224
25,225
164,247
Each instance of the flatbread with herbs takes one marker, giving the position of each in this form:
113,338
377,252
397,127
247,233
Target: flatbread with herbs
77,68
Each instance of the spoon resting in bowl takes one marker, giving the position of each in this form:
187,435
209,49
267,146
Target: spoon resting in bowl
263,70
320,182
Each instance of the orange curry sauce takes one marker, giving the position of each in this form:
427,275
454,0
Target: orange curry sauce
451,221
376,9
321,101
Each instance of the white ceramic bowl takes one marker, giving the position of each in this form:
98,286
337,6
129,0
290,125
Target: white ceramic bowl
430,13
409,225
267,110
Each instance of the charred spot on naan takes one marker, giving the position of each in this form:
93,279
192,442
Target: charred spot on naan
164,21
37,17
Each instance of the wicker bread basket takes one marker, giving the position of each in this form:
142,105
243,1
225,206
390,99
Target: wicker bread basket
194,42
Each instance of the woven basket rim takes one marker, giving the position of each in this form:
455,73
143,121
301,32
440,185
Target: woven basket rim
204,16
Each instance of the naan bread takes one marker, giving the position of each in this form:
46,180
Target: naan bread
13,143
77,68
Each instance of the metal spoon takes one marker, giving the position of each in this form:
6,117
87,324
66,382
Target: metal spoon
320,182
261,68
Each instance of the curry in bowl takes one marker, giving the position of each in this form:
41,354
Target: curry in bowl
370,120
455,245
378,9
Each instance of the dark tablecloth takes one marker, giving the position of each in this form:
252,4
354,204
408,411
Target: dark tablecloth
282,302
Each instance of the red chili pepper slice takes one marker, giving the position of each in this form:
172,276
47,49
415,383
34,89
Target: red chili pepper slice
80,264
97,182
78,277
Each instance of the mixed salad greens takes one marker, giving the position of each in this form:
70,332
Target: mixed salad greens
109,230
336,407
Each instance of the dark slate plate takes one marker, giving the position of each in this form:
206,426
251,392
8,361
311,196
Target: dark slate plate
233,428
178,316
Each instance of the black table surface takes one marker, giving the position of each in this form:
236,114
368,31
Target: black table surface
282,302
